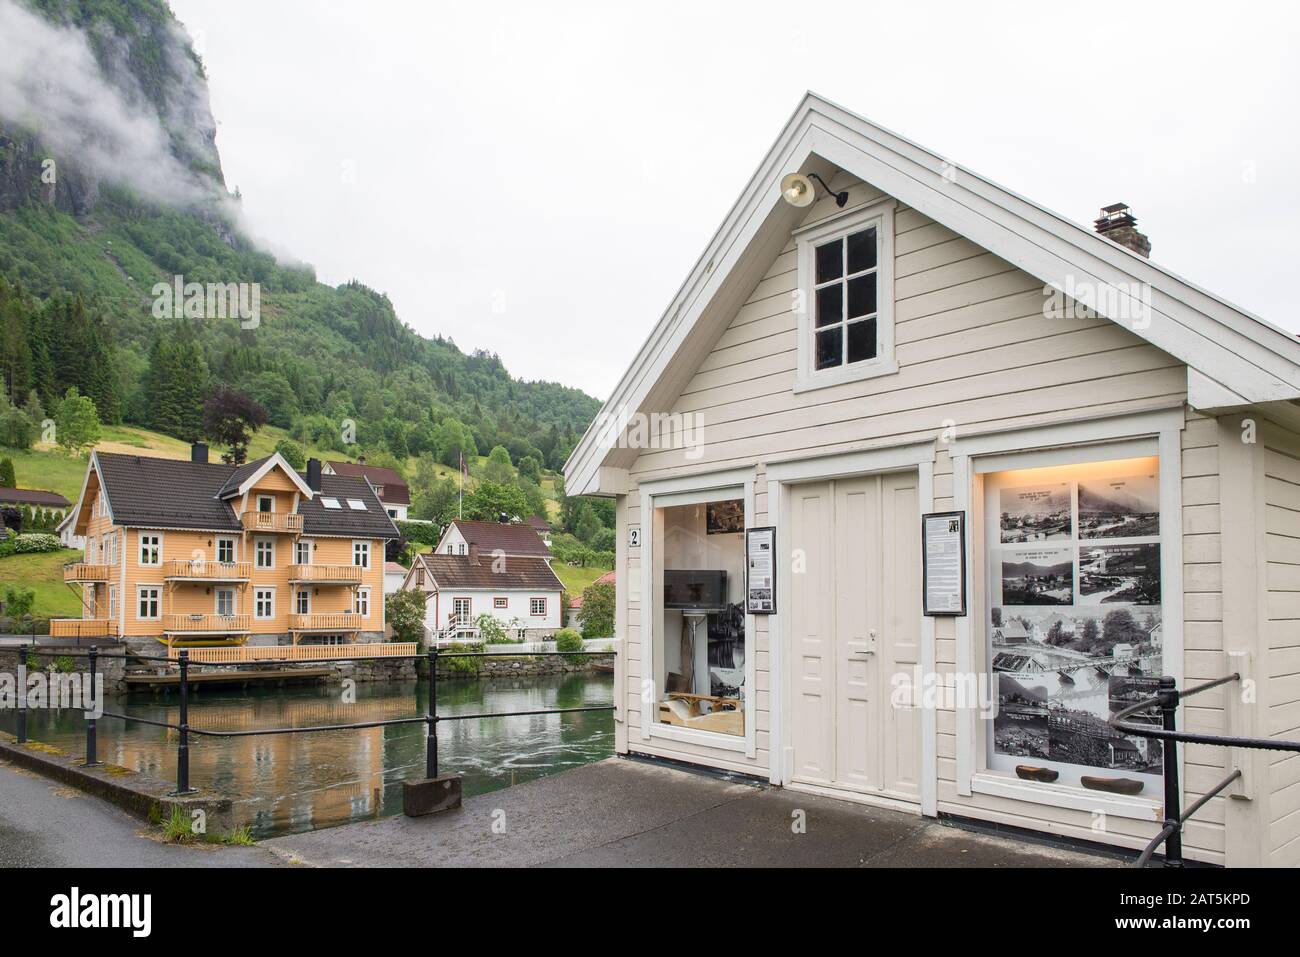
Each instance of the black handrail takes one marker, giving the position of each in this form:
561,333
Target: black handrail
1167,701
431,718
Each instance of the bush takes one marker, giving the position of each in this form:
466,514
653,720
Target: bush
493,631
36,542
464,666
566,639
425,533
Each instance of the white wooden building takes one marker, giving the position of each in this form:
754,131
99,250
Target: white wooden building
1122,446
522,593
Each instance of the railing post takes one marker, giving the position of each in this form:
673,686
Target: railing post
1173,799
183,748
92,759
21,717
431,719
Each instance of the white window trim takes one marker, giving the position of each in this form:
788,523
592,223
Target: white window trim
139,549
139,593
694,489
234,548
298,593
264,588
880,215
216,601
256,550
310,546
356,603
257,503
973,456
368,550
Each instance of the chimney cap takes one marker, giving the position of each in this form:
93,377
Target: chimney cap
1113,217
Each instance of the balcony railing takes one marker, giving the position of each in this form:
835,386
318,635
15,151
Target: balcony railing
86,572
205,571
288,523
82,628
325,574
338,621
219,656
206,624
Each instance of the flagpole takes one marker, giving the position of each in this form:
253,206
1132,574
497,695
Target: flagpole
460,511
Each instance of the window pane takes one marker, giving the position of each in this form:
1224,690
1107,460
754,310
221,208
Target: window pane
862,340
862,251
829,348
862,296
830,304
830,261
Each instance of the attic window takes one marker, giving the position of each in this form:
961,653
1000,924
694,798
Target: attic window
845,317
330,503
356,505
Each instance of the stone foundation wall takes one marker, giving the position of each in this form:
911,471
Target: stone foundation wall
110,663
509,667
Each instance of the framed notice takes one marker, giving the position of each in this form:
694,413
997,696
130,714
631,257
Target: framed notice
760,571
943,557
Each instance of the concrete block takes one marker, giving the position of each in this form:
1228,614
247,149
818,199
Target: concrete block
431,795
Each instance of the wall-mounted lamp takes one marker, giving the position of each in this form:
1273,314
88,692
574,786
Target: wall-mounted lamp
797,190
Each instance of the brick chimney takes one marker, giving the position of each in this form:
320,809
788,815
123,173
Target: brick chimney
1118,224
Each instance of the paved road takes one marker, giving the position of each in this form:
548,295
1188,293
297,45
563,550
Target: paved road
45,824
629,813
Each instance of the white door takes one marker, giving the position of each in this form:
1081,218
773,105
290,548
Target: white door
854,624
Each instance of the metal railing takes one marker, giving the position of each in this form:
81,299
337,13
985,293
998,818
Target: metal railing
431,719
1175,818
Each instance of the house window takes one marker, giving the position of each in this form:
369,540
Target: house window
148,601
1072,626
500,602
91,551
264,603
361,605
225,601
302,552
392,513
330,502
460,608
462,548
361,554
266,503
264,553
846,301
537,606
150,550
302,601
225,550
112,602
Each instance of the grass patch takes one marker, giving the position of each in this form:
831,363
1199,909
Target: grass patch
178,829
239,837
43,574
575,580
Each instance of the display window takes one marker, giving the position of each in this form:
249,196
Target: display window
700,642
1073,619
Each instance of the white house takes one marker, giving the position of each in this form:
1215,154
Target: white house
492,538
394,576
522,593
875,334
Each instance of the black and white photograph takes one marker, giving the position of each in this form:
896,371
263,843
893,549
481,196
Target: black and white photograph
1020,728
724,518
1127,507
1037,576
1119,574
1035,514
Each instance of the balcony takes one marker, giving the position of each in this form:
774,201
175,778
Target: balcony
84,572
336,622
325,574
284,523
205,571
82,628
205,624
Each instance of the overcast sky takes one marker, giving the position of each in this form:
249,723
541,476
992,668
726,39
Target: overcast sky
536,179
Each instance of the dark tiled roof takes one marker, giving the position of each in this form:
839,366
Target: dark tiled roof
539,523
395,489
240,475
457,571
509,539
166,493
319,520
32,496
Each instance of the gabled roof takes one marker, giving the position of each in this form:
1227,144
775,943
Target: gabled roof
450,572
395,490
249,474
508,538
540,524
32,496
1234,358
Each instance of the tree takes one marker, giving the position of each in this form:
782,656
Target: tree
175,386
7,477
17,430
499,468
531,468
491,500
453,439
272,391
76,422
230,418
18,602
404,611
437,502
585,524
292,453
597,612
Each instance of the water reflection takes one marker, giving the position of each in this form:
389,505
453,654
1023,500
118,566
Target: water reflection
296,782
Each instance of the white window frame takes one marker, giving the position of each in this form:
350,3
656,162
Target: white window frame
361,602
112,602
299,593
257,593
257,504
257,553
881,216
303,543
216,602
141,538
532,605
226,540
157,600
360,547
